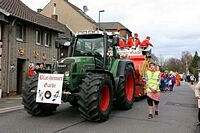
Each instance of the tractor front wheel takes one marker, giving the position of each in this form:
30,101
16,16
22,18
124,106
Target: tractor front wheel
96,97
29,100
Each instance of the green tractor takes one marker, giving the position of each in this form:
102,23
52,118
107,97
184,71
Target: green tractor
94,79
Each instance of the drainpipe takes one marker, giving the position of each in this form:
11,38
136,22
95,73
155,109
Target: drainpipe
9,56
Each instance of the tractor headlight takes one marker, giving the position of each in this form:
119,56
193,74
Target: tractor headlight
67,73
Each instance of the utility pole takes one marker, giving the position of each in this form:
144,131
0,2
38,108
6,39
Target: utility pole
99,18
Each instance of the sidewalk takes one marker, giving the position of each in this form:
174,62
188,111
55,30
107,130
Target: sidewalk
8,104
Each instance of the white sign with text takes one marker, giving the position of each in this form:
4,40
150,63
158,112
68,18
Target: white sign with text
129,52
49,89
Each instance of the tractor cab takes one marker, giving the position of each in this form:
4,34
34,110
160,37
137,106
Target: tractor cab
90,45
97,45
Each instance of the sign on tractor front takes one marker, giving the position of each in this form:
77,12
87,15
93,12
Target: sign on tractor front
49,89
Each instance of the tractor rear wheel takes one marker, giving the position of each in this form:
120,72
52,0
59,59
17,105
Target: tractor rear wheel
96,97
29,100
126,90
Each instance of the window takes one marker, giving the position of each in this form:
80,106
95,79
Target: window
47,39
19,32
38,37
92,45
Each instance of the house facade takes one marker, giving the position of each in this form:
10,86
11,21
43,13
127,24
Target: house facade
70,15
26,37
116,26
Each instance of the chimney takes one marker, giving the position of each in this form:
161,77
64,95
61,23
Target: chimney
39,10
54,16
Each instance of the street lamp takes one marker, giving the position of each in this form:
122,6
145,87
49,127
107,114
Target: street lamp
99,17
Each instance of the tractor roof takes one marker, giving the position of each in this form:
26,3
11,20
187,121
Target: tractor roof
90,32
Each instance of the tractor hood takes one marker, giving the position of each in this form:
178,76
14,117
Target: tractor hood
75,64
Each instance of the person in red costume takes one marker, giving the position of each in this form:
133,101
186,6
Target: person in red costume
121,43
146,43
136,40
130,42
31,71
133,41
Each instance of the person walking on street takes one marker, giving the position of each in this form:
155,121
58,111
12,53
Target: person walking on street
162,83
172,81
152,87
197,94
178,79
167,79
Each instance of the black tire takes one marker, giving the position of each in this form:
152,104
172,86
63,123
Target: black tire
29,100
124,98
92,105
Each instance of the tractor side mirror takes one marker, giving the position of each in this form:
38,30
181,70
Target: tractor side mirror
115,41
72,39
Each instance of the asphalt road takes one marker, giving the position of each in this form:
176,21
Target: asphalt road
178,114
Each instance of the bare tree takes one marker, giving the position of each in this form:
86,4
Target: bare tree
186,60
173,64
161,60
155,58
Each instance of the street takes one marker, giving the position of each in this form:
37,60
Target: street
178,114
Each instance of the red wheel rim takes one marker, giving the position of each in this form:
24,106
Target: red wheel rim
129,87
104,98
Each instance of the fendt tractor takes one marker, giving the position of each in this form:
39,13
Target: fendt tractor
94,79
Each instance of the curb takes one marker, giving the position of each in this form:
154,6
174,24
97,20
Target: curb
10,109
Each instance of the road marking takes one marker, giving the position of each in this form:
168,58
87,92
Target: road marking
9,109
75,124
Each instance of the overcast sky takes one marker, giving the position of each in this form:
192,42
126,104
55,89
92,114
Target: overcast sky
173,25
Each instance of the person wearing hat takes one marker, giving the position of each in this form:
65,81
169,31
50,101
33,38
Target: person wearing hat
121,43
172,81
146,43
152,78
133,41
136,40
31,71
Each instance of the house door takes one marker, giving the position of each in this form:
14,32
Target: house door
20,74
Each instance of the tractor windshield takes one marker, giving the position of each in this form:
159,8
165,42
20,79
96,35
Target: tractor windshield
89,45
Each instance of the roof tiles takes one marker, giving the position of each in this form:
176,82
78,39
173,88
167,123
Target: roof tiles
18,9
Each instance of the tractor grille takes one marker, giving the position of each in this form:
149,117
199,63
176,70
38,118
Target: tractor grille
64,66
62,70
